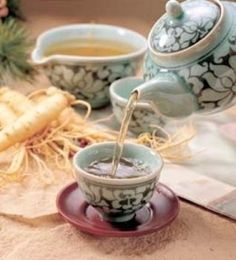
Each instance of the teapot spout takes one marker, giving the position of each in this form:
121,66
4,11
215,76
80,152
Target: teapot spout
169,95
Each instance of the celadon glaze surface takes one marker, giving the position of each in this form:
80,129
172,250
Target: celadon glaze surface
117,200
143,119
90,82
207,71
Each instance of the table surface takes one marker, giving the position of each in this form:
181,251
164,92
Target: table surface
196,234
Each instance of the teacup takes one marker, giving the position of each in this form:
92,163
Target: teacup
144,119
115,199
88,77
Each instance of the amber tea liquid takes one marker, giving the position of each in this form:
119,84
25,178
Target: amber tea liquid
118,166
89,47
123,131
127,168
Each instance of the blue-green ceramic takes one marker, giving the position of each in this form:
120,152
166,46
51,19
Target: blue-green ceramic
191,62
143,119
117,200
89,78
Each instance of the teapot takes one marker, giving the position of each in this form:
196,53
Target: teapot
191,62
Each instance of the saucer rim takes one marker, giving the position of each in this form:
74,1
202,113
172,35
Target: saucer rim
114,233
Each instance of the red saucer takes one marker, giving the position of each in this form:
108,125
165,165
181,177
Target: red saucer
160,212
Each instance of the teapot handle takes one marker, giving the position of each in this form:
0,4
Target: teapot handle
169,95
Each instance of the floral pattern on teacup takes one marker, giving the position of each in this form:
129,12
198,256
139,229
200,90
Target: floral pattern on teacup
117,200
142,120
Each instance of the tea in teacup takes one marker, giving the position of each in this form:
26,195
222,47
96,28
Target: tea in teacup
127,168
117,197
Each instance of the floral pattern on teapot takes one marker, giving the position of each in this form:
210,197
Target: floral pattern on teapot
143,119
171,35
212,79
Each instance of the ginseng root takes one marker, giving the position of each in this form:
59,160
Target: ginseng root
15,100
19,155
44,128
34,120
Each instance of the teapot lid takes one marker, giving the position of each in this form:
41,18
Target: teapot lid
183,25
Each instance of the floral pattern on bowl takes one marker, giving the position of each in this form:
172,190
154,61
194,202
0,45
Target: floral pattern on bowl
89,77
90,82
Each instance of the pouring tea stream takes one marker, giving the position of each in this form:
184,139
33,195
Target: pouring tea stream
191,64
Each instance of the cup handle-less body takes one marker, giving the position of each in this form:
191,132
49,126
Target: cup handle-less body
169,95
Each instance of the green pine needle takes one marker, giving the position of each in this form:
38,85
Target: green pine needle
14,9
14,48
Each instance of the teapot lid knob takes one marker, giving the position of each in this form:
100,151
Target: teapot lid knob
185,24
174,9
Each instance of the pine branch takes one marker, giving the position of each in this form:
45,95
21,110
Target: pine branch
14,9
14,47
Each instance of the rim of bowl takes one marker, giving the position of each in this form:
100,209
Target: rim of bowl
118,84
116,181
84,59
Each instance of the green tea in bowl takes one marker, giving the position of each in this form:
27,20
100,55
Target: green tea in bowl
89,48
85,59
